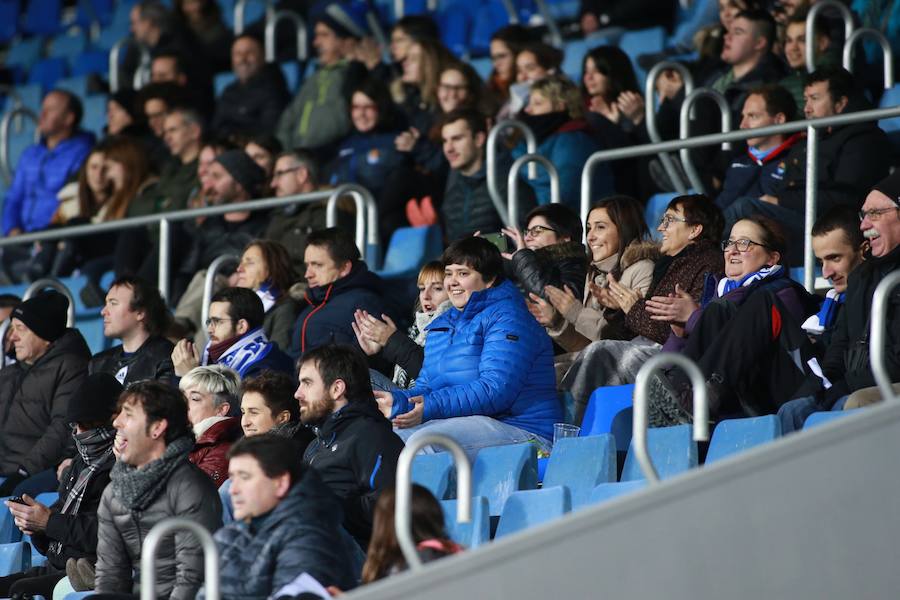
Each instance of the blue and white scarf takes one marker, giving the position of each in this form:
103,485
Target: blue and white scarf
269,294
244,353
824,319
727,285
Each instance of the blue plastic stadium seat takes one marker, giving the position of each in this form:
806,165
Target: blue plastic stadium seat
528,508
78,85
14,558
255,11
454,24
564,10
689,20
635,43
489,17
580,464
575,51
435,472
42,17
671,449
292,72
24,53
891,126
501,470
474,533
608,491
9,19
821,418
94,119
609,411
222,81
48,71
410,248
90,11
28,95
9,533
483,66
736,435
79,595
92,331
110,36
67,45
91,61
75,284
654,210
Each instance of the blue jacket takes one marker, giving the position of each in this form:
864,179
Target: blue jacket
491,358
750,177
367,159
40,174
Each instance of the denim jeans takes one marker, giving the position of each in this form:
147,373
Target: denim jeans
381,382
793,414
473,433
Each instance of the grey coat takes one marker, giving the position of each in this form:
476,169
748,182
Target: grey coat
279,321
189,493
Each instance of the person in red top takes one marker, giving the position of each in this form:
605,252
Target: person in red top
211,393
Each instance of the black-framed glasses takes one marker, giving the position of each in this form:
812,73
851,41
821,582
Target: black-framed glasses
538,230
278,174
874,214
216,321
742,245
667,220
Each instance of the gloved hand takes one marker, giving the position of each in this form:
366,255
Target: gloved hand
12,480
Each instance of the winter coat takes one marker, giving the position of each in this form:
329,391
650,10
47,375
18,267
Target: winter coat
77,533
279,321
326,317
292,225
40,173
491,358
591,321
190,494
302,534
252,107
562,264
689,269
367,159
210,451
750,177
216,237
34,428
153,360
355,453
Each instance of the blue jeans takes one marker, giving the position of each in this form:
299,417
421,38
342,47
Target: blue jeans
793,414
381,382
472,433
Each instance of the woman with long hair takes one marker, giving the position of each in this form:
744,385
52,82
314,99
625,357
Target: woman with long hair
266,269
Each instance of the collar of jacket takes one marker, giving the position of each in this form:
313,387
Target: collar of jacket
561,250
358,277
478,301
780,149
327,432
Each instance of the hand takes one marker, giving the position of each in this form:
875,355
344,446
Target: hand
669,84
374,329
334,591
603,296
602,107
14,232
769,198
541,310
368,346
30,517
674,308
62,468
413,417
118,444
385,402
631,104
589,23
516,236
406,140
561,300
626,297
185,357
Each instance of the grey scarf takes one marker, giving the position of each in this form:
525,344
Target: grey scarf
137,487
288,429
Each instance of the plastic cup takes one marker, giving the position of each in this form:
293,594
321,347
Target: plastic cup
564,430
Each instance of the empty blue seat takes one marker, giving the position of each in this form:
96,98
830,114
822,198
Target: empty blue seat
483,66
528,508
635,43
410,248
580,464
454,23
564,10
891,127
92,332
501,470
94,119
736,435
821,418
292,72
671,449
14,558
435,472
688,21
94,11
42,17
28,95
609,411
474,533
110,36
47,72
91,61
67,45
489,17
572,61
9,533
222,81
78,85
608,491
24,53
9,19
655,209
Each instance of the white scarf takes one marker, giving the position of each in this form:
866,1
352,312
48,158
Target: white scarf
268,298
202,427
726,285
244,353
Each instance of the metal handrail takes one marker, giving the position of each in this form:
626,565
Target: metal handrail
511,11
358,194
48,282
684,131
555,34
877,336
811,17
650,116
141,74
640,421
850,46
402,508
114,64
513,187
491,164
299,26
240,7
209,282
876,114
148,556
20,111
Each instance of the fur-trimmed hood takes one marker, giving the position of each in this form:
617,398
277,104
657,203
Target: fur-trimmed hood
639,250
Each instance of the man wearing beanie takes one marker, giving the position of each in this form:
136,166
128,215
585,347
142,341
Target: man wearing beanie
319,116
34,393
66,532
846,362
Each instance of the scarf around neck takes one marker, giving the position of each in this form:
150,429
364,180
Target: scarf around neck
269,294
817,324
727,285
418,333
136,488
239,354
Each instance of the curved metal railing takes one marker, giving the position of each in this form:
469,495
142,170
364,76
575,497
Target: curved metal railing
684,131
491,161
299,27
811,17
5,123
148,556
850,46
513,187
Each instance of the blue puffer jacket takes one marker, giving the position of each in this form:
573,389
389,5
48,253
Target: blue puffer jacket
366,159
492,358
40,174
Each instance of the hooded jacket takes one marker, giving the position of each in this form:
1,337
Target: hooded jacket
302,534
210,451
34,431
562,264
40,173
355,453
492,359
153,360
367,159
254,106
328,310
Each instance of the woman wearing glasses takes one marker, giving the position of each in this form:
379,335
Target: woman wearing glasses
745,333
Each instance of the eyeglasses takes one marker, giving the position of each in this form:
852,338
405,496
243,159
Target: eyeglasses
537,230
216,321
742,245
278,174
366,107
874,214
453,88
669,219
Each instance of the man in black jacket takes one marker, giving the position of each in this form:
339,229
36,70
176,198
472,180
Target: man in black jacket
355,450
67,530
35,392
136,314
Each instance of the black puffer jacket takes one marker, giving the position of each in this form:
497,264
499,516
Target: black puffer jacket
34,429
153,360
562,264
355,452
216,237
252,107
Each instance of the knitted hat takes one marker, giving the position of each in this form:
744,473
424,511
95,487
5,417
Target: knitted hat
44,314
125,98
346,19
890,187
95,400
241,167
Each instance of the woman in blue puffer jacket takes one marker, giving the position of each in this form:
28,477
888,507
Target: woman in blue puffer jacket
488,377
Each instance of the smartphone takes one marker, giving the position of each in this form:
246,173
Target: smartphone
18,500
497,239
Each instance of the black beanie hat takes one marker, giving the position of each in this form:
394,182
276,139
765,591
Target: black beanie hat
243,169
125,98
890,187
95,400
44,314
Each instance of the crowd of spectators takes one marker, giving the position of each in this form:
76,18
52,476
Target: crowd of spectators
274,416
